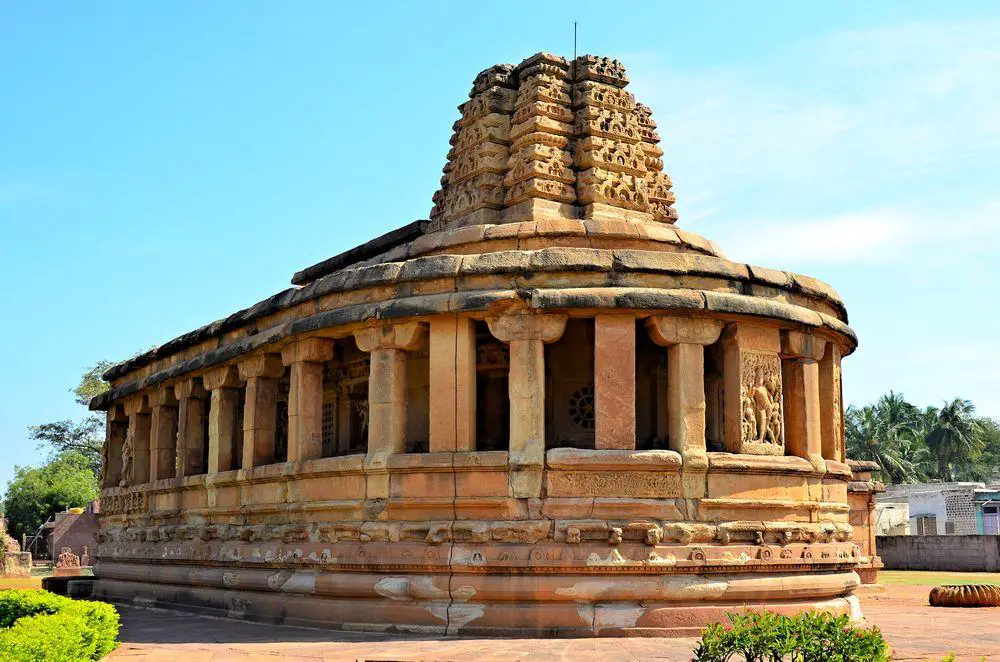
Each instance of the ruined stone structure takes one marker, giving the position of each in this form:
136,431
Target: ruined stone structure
545,411
861,493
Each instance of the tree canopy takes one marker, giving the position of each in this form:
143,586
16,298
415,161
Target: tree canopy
36,493
950,443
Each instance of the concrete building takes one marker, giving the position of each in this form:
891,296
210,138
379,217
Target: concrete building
545,411
938,509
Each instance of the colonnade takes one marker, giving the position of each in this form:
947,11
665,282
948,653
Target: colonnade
781,395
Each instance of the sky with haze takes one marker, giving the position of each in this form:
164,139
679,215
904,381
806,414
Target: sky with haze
163,164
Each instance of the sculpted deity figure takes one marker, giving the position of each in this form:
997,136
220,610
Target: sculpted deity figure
762,407
67,559
127,451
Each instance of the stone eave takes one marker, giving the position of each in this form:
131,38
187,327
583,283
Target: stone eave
521,265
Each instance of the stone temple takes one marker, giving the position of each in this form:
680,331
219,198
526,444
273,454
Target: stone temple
545,411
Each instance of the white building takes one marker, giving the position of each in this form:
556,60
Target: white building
931,509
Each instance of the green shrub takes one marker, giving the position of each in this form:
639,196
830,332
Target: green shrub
808,637
43,627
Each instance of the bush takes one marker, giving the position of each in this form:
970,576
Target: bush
43,627
808,637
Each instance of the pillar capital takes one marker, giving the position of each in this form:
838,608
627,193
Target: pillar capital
163,397
190,388
268,366
388,335
666,330
797,344
223,377
136,404
547,327
308,350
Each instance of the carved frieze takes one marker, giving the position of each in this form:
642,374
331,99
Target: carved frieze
760,398
126,502
647,484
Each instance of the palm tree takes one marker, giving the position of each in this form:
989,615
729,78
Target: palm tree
883,433
957,438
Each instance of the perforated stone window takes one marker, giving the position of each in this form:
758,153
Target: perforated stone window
581,407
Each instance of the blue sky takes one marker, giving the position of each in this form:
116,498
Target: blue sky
164,164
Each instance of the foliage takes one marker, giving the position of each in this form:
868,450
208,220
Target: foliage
913,445
36,493
85,438
92,383
43,627
808,637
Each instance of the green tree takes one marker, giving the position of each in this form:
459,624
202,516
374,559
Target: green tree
875,433
92,383
85,438
37,493
956,439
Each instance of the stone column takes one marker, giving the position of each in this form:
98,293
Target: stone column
305,396
260,408
192,409
453,384
387,344
224,385
751,374
526,334
831,410
163,435
685,339
114,440
137,440
800,374
614,381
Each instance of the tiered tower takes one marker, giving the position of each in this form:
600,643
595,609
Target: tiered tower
552,139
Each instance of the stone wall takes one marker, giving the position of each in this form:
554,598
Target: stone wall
964,553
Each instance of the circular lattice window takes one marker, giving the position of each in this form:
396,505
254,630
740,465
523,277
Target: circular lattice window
581,407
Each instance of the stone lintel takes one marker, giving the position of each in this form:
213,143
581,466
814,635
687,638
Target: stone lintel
163,397
801,344
267,366
308,350
389,335
190,388
666,330
226,376
137,404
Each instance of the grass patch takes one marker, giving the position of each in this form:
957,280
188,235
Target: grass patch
933,578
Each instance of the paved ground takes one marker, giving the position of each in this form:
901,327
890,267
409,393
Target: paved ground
914,630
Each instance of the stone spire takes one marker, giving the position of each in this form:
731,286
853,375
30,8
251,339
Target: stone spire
552,139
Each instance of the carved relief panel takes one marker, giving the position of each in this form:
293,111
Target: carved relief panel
752,395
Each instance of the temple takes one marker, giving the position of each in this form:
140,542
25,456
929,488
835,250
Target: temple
546,410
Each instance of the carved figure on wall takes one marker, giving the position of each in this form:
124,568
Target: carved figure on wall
127,451
761,399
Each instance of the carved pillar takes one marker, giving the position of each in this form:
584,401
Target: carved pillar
526,334
831,410
751,373
260,408
192,409
163,435
800,374
224,385
115,432
135,457
614,381
453,384
685,339
387,344
305,396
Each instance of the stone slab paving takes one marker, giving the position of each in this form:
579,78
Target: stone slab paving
915,630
